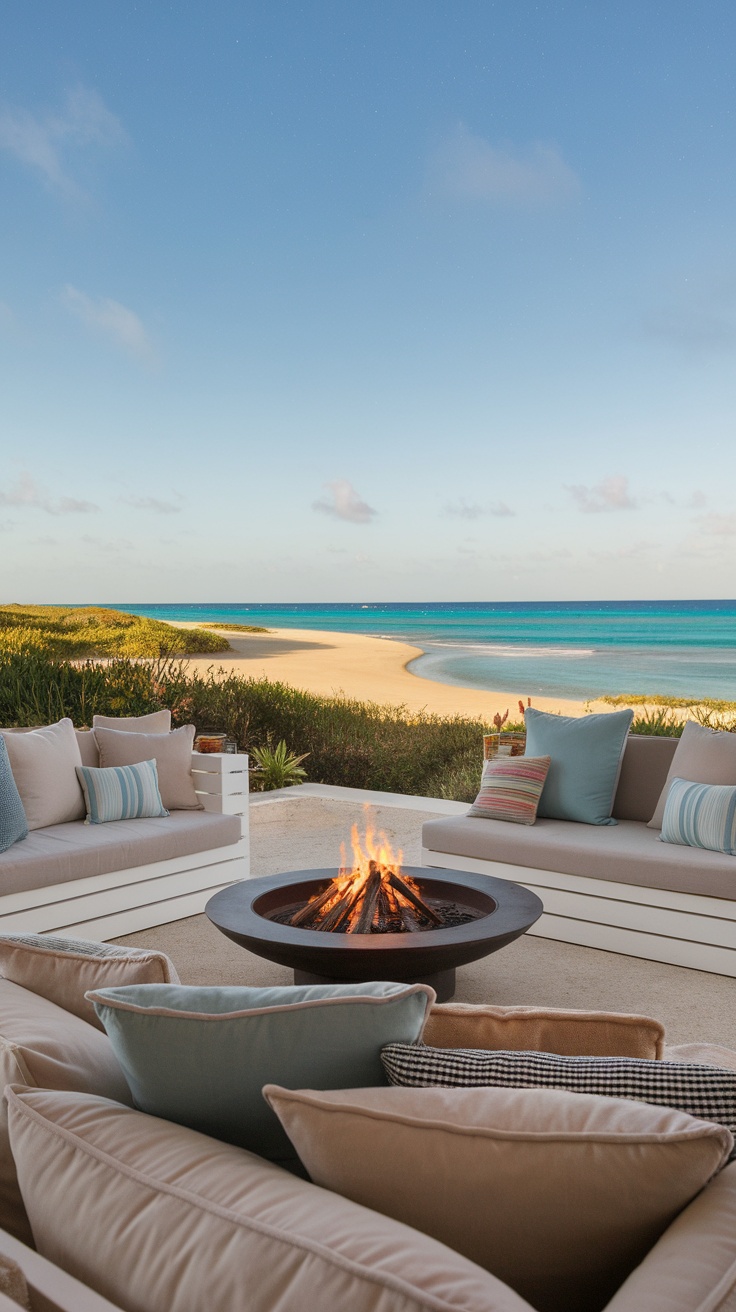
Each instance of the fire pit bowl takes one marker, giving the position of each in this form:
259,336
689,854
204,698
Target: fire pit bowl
243,911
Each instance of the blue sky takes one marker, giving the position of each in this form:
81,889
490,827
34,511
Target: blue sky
399,300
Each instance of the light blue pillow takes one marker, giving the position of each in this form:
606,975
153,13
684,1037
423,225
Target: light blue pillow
700,815
120,792
13,823
201,1056
585,764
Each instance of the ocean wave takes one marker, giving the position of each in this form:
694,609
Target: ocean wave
509,650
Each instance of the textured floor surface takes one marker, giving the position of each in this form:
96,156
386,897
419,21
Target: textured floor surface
303,834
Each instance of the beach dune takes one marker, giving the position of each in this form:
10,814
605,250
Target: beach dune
366,668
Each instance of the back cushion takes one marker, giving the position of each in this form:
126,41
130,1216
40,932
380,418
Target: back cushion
43,1046
155,722
88,749
162,1219
543,1029
644,769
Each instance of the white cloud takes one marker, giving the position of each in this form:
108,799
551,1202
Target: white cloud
463,509
717,526
112,320
27,492
42,142
468,166
156,504
344,503
611,494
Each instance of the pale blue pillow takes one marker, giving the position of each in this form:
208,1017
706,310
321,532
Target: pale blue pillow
585,762
13,823
120,792
700,815
201,1056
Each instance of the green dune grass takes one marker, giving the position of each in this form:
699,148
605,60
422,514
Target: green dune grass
79,631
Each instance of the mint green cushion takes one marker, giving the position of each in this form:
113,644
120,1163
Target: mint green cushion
585,762
200,1056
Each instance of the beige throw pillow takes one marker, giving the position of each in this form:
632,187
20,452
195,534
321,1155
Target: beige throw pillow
43,1046
155,722
560,1195
543,1029
702,756
172,753
155,1216
63,969
44,764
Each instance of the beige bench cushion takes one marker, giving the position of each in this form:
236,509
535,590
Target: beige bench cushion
76,851
627,853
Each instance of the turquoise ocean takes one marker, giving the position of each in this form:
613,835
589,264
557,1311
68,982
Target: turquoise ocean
553,649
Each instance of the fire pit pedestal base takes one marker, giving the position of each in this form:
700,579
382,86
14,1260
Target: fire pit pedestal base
243,912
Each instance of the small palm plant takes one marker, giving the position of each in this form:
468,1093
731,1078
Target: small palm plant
277,767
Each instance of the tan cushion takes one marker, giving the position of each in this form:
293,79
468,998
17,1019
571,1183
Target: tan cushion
543,1029
704,756
45,1047
155,722
76,851
63,969
560,1195
88,749
693,1266
172,753
161,1218
44,765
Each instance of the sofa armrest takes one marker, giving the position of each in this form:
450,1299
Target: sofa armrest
50,1288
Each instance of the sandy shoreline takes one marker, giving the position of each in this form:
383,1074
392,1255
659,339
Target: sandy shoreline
367,668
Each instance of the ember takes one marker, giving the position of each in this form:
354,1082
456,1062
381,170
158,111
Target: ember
373,896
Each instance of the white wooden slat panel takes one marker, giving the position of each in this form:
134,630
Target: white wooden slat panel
675,952
237,804
220,762
628,915
53,1287
221,784
33,897
145,917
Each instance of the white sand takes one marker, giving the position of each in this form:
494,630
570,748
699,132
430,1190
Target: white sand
367,668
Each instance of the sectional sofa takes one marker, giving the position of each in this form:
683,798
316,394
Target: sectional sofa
616,887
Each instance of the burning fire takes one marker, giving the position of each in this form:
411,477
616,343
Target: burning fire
371,896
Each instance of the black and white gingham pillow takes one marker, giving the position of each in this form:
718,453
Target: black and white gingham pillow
708,1092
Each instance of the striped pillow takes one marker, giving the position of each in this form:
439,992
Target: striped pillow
700,815
510,789
121,792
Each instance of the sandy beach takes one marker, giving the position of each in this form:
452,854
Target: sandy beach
367,668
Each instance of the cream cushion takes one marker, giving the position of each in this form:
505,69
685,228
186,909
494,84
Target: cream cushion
693,1266
43,1046
44,765
543,1029
63,969
161,1218
172,753
702,756
155,722
560,1195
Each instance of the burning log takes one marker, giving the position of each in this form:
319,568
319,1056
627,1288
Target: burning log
403,888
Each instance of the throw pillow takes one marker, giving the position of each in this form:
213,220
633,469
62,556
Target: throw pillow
700,815
200,1056
155,722
586,755
510,789
560,1195
172,753
13,823
703,1091
544,1029
121,792
44,765
704,756
158,1217
64,969
46,1047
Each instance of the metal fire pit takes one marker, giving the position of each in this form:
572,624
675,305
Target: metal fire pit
427,957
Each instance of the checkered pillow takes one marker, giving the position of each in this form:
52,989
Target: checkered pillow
708,1092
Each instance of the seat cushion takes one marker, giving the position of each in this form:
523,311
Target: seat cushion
629,853
76,851
162,1219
